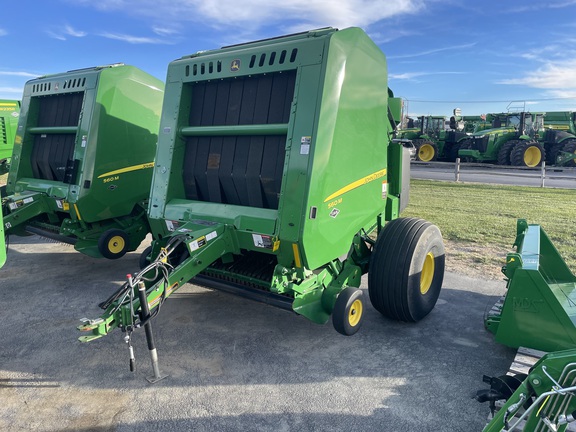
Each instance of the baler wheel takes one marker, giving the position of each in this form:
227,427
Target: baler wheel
113,244
144,259
348,311
406,269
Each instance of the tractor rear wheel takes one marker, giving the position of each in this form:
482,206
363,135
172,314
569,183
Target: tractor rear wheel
527,154
406,269
113,244
426,151
570,147
348,311
505,151
465,145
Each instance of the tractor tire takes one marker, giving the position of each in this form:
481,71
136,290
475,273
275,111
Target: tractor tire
113,244
505,152
528,154
348,312
465,145
426,151
406,269
570,147
552,152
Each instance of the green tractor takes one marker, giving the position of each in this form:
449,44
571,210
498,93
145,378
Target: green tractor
83,159
431,138
559,138
9,112
512,140
258,191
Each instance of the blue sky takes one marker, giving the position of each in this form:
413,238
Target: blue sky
442,54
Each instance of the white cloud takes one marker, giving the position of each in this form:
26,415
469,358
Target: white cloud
65,31
236,15
3,32
69,30
559,76
20,74
433,51
164,31
412,75
133,39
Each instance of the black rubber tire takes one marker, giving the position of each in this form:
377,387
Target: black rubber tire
552,152
348,312
395,277
570,147
505,151
518,155
113,244
465,145
144,259
453,153
430,148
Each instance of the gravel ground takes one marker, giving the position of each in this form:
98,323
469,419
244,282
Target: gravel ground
233,364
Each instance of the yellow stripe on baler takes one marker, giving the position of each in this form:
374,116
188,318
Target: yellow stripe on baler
364,180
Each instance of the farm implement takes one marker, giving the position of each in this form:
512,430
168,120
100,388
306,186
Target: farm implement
276,178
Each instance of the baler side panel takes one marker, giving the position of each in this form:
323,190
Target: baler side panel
127,111
347,190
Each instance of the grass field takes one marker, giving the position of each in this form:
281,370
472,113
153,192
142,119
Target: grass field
478,222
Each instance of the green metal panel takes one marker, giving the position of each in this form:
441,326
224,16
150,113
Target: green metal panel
9,112
545,398
539,309
348,191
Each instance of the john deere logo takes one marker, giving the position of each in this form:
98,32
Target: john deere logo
235,65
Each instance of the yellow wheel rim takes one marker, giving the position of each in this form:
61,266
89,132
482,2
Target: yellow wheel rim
355,313
116,244
426,152
532,156
427,273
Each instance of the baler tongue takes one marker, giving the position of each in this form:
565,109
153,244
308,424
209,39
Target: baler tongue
539,308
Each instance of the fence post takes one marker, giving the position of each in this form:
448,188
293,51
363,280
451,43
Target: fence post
457,170
542,174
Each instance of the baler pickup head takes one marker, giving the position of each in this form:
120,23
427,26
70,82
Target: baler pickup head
539,308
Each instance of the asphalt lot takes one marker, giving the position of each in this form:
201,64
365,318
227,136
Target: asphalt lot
233,364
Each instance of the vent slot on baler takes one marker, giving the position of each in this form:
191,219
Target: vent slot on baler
234,166
3,133
53,148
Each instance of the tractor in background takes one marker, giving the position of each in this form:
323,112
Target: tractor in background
512,140
432,139
524,139
559,137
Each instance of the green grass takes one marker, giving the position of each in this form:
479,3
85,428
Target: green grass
478,222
